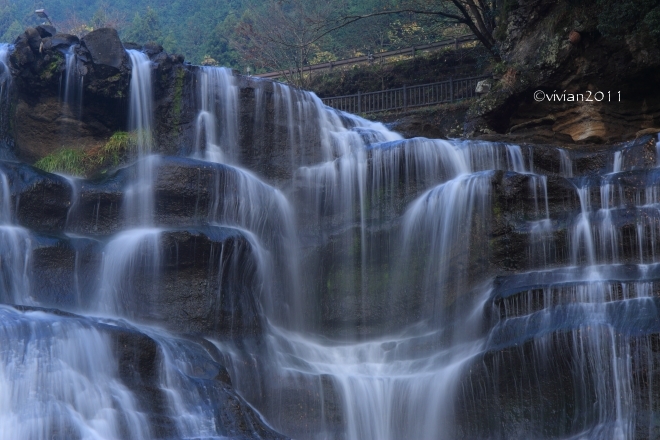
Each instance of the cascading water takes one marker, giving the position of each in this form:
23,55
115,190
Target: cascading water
217,123
72,363
5,86
5,73
356,285
140,112
72,83
140,196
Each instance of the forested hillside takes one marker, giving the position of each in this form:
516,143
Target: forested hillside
230,32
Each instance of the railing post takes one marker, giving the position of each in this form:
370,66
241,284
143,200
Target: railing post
451,89
405,98
359,102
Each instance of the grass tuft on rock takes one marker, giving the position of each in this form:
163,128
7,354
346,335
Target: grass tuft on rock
66,160
114,151
87,162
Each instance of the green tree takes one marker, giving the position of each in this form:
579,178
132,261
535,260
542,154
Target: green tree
13,31
219,43
145,28
618,18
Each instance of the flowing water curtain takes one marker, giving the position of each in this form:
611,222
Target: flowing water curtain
60,375
5,96
560,346
216,137
15,251
141,111
130,272
241,199
445,241
588,327
72,84
140,195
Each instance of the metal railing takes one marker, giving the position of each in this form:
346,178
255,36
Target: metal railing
456,42
407,96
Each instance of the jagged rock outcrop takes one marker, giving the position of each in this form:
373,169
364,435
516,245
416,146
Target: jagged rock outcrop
42,123
539,56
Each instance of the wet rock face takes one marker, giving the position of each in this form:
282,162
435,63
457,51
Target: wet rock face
187,191
209,285
40,201
529,380
43,124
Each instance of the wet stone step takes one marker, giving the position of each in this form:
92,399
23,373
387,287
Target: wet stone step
203,280
627,188
527,302
527,293
637,154
558,384
185,192
625,235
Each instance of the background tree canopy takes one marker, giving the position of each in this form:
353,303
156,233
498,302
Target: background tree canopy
212,31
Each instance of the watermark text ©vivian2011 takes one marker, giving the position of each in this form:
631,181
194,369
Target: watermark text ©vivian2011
588,96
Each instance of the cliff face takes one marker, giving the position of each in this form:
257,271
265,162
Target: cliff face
558,47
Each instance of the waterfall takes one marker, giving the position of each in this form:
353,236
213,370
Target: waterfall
16,250
140,196
312,271
72,363
5,73
140,116
72,93
5,87
217,121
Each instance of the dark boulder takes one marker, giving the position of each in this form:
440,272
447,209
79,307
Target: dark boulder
33,39
46,44
22,54
46,30
200,281
106,50
187,192
97,208
210,284
152,49
143,361
60,41
40,200
128,45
